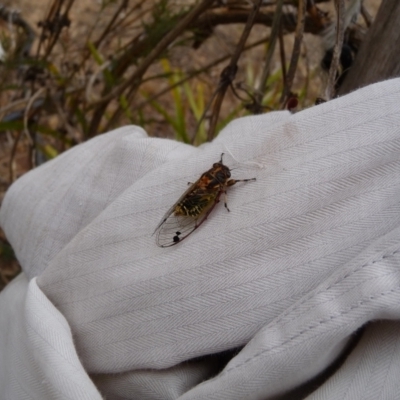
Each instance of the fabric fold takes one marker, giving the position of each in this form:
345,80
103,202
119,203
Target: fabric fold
37,352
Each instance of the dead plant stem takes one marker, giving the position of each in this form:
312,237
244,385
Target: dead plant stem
337,50
228,74
298,38
259,93
134,79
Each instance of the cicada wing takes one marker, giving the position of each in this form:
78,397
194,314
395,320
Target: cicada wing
171,210
174,228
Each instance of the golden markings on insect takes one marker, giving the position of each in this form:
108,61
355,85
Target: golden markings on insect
195,205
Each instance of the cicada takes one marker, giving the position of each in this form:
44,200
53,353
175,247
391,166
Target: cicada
195,205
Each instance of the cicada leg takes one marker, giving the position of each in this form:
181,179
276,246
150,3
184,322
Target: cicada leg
232,182
226,200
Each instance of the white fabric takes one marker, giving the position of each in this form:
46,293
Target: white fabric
308,254
372,371
38,358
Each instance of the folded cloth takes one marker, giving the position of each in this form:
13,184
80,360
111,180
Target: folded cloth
255,304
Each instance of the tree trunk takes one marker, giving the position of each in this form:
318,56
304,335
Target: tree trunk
379,56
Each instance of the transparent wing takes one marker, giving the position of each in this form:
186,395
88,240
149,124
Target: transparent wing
174,228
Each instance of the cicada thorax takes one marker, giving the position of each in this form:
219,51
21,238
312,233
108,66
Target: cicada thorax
204,192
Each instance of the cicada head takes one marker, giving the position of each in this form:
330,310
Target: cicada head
221,172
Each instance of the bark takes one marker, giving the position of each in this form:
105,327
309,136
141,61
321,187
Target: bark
378,58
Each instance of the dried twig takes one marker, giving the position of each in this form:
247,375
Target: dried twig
27,113
16,109
108,28
298,38
337,50
228,74
190,76
282,54
54,24
193,74
256,107
366,15
308,73
11,164
15,18
12,107
92,80
134,79
215,17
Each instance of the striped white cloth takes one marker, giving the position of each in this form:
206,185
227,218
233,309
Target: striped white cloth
309,253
